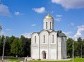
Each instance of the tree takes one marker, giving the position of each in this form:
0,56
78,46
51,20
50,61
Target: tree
1,44
26,45
7,46
83,48
69,47
11,39
75,48
79,46
16,47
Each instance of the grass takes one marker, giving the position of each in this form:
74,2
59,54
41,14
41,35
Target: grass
79,60
13,60
49,61
75,60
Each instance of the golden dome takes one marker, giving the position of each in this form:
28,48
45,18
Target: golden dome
48,17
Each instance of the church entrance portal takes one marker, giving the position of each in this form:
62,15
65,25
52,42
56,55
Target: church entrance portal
44,54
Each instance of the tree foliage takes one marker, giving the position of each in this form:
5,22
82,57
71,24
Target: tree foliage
15,46
78,47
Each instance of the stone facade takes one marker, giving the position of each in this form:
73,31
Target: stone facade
48,44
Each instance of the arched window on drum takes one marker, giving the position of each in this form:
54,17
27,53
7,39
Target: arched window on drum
35,39
43,38
50,25
52,38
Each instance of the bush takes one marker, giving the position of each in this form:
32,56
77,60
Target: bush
39,59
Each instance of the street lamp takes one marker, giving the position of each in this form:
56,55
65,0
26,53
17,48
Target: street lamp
0,35
3,46
3,49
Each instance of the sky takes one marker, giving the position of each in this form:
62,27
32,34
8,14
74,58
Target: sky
22,17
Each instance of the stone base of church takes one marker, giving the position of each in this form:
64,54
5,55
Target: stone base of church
52,59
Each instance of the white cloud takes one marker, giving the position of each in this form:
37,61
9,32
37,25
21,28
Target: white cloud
80,32
2,33
69,4
17,13
8,29
58,15
33,25
68,34
58,18
4,10
27,35
39,10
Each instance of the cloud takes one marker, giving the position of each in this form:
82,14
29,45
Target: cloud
8,29
58,15
27,35
2,33
4,10
39,10
68,34
80,32
58,18
70,4
33,25
17,13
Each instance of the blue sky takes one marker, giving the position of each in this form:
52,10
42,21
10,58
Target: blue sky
22,17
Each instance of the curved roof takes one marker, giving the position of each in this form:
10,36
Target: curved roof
48,17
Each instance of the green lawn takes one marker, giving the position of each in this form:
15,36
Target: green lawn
75,60
13,60
79,60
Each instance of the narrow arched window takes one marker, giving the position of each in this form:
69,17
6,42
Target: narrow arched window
44,39
35,39
52,38
50,25
46,25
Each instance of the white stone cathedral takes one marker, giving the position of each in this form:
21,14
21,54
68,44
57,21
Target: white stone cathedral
48,43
